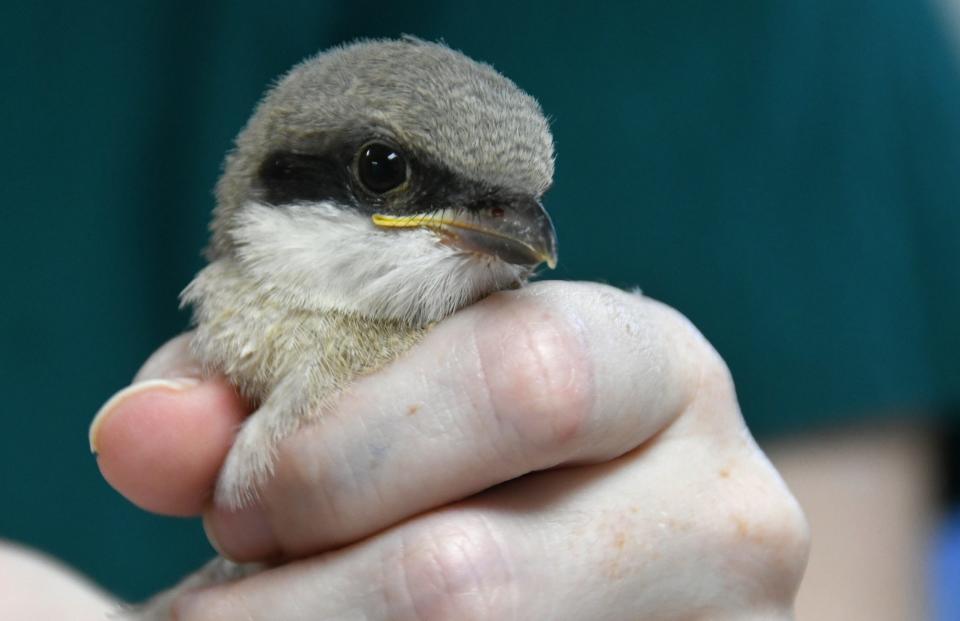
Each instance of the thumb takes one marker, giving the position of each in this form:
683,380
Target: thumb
160,441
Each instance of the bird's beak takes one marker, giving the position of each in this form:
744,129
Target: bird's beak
520,232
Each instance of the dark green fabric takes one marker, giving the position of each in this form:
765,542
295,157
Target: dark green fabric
785,173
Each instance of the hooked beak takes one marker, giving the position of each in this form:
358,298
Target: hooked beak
520,232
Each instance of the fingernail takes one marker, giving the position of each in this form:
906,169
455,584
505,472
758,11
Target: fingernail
242,535
172,360
175,385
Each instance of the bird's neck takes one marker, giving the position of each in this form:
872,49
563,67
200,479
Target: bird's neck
253,335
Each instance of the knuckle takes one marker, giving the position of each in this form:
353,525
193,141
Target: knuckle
699,346
783,539
696,363
298,469
537,373
318,492
771,540
455,572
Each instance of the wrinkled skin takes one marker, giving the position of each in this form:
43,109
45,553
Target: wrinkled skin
566,452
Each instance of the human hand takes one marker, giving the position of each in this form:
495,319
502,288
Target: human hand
564,451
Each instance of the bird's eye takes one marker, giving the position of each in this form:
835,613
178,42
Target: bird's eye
381,168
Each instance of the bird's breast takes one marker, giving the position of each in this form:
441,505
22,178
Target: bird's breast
250,335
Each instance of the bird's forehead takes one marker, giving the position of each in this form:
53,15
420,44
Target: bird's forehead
458,112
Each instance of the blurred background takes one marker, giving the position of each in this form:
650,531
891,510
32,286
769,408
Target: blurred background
786,173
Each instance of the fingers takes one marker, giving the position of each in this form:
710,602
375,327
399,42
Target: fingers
160,442
658,534
553,374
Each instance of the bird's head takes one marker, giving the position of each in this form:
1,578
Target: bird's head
394,179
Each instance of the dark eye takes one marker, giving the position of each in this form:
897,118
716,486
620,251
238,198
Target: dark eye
381,167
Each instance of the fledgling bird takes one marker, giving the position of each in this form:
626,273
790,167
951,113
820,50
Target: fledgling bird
377,188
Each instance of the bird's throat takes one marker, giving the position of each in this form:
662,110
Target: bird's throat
250,335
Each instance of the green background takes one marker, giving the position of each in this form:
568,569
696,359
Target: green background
785,173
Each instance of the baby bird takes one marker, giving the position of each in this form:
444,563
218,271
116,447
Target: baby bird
377,188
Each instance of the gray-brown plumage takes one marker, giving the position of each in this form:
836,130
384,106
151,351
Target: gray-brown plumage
378,187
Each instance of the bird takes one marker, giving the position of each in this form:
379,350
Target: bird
378,187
